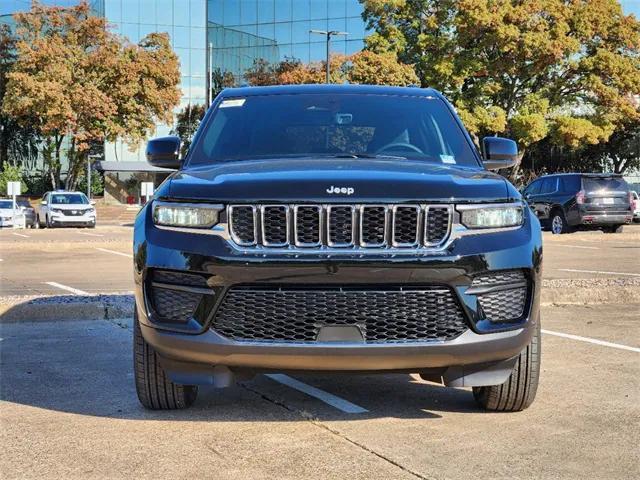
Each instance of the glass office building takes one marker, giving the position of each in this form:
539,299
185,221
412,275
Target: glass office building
229,35
225,35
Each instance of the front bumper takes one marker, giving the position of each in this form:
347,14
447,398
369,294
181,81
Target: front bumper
72,220
192,352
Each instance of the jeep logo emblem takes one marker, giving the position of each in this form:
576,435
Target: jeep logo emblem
341,190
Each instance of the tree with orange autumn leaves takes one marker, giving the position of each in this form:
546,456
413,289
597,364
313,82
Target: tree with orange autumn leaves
79,84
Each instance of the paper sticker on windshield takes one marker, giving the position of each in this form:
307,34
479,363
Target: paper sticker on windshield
232,102
447,159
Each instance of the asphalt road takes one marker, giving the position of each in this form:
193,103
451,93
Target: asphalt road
99,260
68,410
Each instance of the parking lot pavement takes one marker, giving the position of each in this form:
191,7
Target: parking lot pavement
593,254
56,261
68,414
99,260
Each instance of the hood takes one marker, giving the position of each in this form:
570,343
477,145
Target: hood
6,212
336,181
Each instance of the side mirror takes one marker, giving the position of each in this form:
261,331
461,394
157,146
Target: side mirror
499,153
163,152
43,202
92,202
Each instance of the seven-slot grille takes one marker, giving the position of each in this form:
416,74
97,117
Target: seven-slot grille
382,314
369,226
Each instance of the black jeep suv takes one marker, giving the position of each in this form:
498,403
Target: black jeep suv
569,201
336,228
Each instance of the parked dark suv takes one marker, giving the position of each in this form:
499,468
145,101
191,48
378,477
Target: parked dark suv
569,201
336,228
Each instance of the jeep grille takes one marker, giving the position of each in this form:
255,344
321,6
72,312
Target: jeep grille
382,314
340,226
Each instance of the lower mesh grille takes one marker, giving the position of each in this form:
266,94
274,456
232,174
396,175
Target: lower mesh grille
174,305
296,315
502,295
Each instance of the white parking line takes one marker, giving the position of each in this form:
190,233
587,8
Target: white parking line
598,271
68,289
128,255
326,397
20,235
573,246
91,234
592,340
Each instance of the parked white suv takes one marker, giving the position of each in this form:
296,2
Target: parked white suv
636,206
64,209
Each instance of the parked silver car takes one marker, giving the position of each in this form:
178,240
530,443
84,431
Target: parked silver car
6,212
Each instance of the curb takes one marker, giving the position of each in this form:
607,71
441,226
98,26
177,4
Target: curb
110,307
30,311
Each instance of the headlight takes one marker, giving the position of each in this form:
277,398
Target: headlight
187,215
489,216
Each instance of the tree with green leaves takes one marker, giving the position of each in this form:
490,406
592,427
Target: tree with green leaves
187,123
80,84
565,71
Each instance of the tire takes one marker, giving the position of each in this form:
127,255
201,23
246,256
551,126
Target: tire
558,223
519,391
47,222
155,390
39,222
613,229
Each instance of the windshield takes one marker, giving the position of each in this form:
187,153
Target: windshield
6,204
342,125
68,199
611,184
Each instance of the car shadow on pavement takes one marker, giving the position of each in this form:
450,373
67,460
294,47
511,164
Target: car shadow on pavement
86,368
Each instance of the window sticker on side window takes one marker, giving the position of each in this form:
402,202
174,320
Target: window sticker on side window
232,102
447,159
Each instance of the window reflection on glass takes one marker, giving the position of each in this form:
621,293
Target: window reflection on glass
283,32
301,10
266,30
301,52
183,57
164,12
113,10
231,12
355,27
248,11
198,87
181,37
300,32
146,30
338,24
198,61
337,8
130,12
215,11
147,11
180,12
198,37
319,9
185,86
198,13
354,8
283,10
131,31
266,11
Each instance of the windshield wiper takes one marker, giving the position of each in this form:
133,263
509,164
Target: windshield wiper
366,155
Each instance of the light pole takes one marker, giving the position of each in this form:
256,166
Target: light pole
328,34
